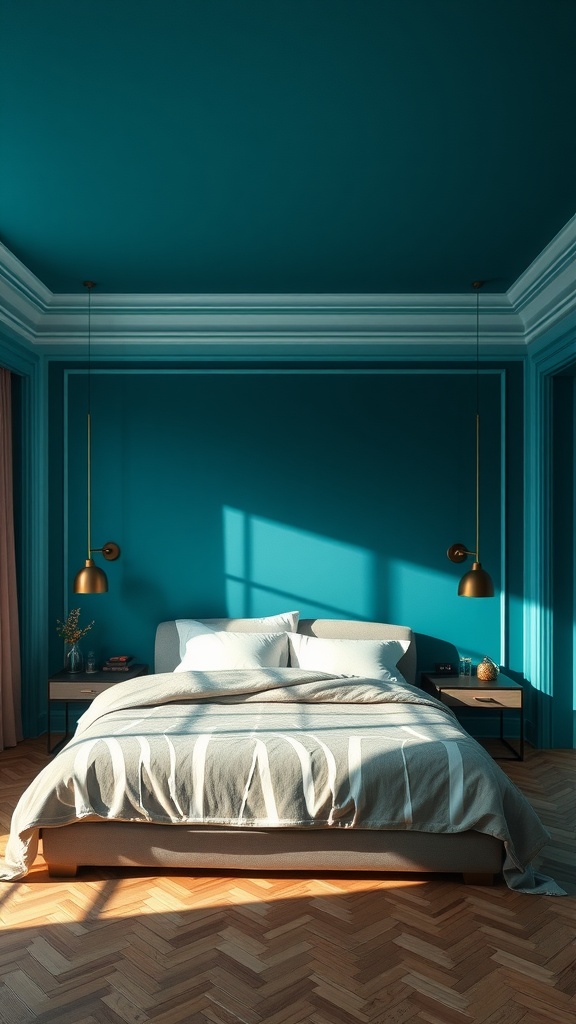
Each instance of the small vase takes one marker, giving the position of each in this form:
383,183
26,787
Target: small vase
487,670
74,661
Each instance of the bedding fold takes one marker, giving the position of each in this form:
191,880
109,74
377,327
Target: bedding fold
269,685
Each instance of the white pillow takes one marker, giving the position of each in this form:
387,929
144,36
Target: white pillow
226,650
285,622
375,659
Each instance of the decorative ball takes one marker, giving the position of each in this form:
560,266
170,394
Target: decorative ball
487,670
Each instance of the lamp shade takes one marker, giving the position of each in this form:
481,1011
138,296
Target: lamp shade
90,579
476,583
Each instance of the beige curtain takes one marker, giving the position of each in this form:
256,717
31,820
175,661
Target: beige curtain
10,699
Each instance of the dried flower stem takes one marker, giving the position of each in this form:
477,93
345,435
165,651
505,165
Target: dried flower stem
69,630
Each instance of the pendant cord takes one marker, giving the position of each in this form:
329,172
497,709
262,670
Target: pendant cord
477,487
478,422
477,353
89,466
89,285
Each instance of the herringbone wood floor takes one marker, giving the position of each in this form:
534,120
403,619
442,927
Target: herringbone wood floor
123,947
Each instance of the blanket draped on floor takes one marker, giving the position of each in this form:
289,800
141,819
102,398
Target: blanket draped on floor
277,748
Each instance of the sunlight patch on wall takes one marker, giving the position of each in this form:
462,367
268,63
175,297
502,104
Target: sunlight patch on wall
269,565
534,654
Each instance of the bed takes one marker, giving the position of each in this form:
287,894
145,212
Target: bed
288,761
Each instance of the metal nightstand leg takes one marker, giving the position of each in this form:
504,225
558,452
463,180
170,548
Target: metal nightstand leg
518,754
57,746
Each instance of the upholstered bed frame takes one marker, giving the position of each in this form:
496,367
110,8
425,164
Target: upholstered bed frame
124,844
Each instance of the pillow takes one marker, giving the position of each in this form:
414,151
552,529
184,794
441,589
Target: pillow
375,659
286,622
226,649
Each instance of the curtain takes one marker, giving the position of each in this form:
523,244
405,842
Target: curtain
10,679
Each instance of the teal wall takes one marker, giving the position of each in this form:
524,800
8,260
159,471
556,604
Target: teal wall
244,492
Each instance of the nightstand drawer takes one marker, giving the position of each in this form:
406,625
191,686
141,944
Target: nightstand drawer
484,698
77,691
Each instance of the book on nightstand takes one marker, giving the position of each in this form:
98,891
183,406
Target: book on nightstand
119,663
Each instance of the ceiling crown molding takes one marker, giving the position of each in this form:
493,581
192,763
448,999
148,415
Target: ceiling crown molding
545,293
57,323
215,320
23,298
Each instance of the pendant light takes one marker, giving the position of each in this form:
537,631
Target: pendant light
476,582
91,579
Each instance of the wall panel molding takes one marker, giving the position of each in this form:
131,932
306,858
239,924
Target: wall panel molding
503,645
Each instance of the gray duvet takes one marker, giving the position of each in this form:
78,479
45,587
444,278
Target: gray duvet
277,748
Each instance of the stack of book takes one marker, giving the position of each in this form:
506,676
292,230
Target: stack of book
119,663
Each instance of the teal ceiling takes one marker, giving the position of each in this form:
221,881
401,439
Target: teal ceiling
265,146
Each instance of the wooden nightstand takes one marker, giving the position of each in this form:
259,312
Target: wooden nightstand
81,688
468,693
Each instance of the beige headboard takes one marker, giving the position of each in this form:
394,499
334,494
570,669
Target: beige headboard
167,648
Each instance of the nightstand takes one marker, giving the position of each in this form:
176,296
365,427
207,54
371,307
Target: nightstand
468,693
81,688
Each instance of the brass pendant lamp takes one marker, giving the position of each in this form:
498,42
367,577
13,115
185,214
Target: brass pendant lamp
476,582
91,579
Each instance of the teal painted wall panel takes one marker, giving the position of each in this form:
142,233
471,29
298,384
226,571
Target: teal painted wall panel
337,493
563,477
30,454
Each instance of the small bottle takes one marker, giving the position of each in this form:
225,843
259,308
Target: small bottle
91,662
